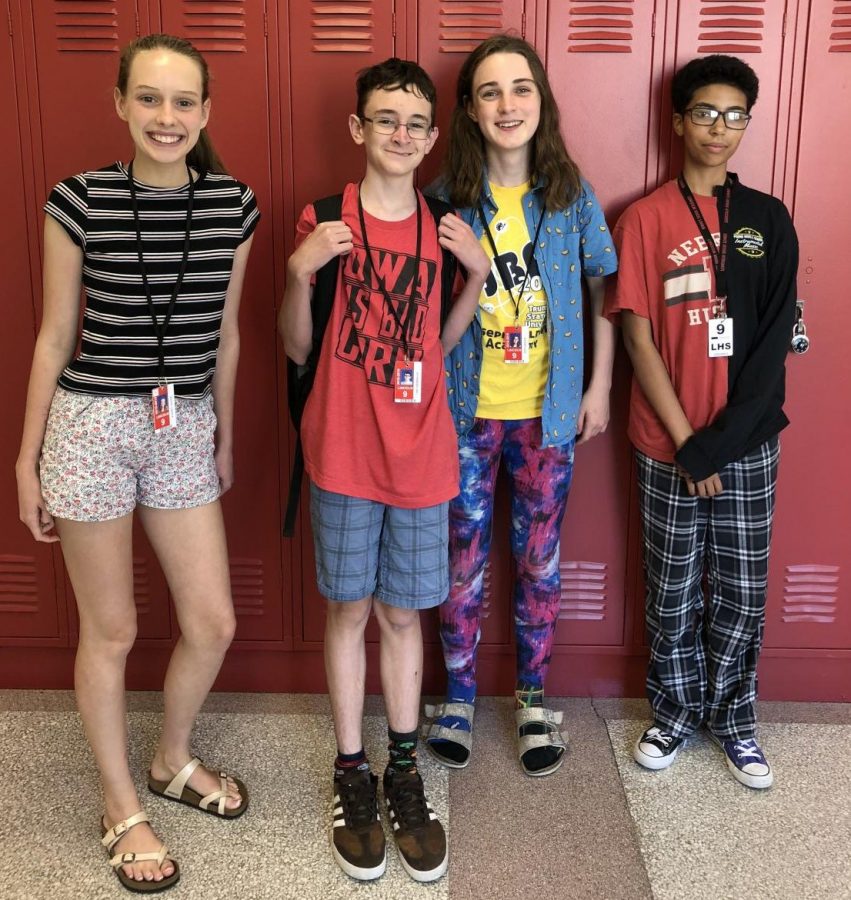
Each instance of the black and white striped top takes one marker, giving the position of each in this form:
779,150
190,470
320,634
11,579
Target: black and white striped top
118,352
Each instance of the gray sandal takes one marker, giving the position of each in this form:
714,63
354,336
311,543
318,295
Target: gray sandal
552,737
459,741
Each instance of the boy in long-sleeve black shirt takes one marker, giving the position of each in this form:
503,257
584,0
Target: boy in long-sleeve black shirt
706,297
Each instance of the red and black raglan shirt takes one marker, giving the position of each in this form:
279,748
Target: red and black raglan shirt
665,275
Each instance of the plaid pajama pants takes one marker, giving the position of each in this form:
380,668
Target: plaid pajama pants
705,639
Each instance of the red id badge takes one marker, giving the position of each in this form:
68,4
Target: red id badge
408,382
163,407
515,344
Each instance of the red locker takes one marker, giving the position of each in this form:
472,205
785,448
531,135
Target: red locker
28,604
232,37
446,33
754,30
808,582
593,50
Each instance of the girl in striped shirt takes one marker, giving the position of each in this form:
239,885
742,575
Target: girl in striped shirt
141,418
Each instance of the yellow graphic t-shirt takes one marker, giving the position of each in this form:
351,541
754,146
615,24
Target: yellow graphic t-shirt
512,390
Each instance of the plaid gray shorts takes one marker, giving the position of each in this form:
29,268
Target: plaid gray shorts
365,548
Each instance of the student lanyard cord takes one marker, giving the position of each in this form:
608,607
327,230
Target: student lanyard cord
500,262
403,327
717,255
160,330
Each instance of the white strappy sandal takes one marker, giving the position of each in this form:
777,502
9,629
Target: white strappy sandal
111,836
214,803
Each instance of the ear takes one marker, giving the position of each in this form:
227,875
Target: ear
431,140
205,112
356,128
118,97
678,124
471,111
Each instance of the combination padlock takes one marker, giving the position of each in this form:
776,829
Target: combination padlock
800,341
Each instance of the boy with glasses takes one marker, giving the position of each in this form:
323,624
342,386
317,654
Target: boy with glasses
380,450
706,297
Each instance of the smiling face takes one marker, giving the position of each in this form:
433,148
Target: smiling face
164,108
712,146
396,154
506,103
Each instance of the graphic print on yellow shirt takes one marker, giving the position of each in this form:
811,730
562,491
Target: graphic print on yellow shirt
512,391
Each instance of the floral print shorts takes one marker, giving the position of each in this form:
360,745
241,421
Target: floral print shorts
101,457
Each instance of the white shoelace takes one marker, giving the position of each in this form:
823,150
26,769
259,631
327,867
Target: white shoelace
748,749
655,734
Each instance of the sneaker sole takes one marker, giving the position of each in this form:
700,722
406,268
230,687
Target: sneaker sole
757,782
655,763
430,875
357,872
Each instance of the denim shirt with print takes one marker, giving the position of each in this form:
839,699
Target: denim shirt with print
573,242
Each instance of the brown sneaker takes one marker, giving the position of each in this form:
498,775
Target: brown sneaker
420,838
357,838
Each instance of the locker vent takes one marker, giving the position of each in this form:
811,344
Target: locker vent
465,24
583,591
487,590
215,25
731,27
840,29
810,594
141,586
246,580
18,585
596,27
343,27
86,25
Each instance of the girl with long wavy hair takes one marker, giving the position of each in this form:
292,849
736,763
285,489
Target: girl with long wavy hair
516,378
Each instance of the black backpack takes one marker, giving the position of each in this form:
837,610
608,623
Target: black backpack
300,377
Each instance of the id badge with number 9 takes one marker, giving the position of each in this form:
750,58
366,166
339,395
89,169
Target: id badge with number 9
721,337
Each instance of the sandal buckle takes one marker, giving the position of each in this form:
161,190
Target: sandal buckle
127,858
119,828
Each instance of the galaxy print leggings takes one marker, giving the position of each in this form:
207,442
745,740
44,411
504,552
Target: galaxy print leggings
540,480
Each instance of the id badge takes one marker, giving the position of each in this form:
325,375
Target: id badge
408,382
721,337
163,407
515,344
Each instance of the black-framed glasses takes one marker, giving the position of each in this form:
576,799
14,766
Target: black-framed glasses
737,119
417,131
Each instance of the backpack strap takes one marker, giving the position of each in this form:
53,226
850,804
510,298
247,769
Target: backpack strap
439,208
300,377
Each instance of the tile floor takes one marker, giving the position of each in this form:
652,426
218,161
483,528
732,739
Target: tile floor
601,828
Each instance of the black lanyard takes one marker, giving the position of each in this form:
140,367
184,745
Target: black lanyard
500,262
160,330
371,269
717,255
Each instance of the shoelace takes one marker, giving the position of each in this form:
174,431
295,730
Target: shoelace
409,802
748,749
359,803
662,737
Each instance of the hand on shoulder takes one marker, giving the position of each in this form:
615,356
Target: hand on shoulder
327,240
